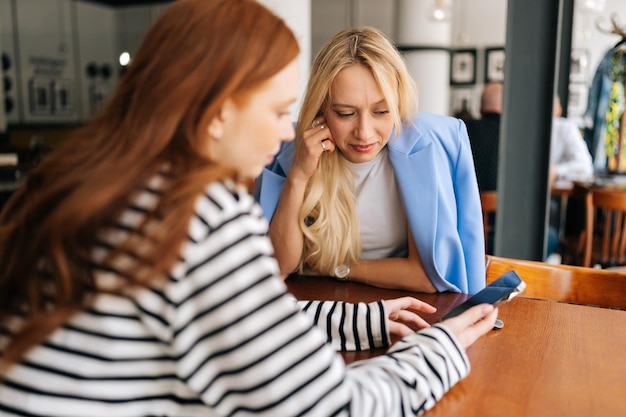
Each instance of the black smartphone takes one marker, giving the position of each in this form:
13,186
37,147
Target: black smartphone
499,291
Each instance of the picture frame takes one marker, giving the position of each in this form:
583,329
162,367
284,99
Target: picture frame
494,64
579,65
463,67
461,101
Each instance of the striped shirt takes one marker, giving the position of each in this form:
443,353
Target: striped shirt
222,337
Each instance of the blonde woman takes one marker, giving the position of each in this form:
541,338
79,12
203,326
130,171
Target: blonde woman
372,191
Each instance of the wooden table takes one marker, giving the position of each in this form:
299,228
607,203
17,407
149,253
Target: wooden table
550,359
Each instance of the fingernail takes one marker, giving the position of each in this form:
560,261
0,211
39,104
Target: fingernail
487,308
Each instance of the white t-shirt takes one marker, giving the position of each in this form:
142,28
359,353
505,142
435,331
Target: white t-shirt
569,154
381,213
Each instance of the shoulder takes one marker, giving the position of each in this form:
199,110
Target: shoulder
446,131
563,121
565,127
222,202
434,122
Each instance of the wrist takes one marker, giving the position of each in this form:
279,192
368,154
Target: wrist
342,272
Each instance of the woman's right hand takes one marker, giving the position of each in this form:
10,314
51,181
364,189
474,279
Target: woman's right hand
472,324
316,140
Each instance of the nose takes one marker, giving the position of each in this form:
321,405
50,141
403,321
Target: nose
364,128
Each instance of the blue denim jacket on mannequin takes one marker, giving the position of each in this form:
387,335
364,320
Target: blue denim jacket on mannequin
597,106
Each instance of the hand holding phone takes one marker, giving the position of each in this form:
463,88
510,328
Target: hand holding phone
499,291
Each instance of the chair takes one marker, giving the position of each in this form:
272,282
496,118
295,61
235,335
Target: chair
489,204
606,227
574,234
564,283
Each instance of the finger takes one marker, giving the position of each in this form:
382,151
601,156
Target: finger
479,328
473,323
410,319
400,330
410,303
485,323
475,314
313,138
317,124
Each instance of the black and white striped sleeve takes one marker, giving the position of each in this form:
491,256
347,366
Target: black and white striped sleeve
359,326
414,374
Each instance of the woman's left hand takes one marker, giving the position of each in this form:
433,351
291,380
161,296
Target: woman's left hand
403,319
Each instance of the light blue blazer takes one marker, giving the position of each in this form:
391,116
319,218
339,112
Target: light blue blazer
435,172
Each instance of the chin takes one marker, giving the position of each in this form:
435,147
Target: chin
359,158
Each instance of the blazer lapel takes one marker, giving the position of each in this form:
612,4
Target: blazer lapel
413,159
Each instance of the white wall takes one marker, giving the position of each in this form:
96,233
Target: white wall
476,24
97,58
297,15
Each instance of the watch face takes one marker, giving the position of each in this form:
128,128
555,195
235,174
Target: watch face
342,271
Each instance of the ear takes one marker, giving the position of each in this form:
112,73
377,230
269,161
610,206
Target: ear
220,122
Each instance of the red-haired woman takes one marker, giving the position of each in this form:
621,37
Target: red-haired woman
137,276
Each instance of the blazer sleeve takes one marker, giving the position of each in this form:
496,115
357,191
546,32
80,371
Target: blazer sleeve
469,214
269,185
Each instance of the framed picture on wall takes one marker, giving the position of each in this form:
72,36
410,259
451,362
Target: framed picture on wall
579,66
463,67
461,102
494,64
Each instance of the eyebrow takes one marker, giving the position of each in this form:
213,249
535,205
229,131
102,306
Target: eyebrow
383,101
288,102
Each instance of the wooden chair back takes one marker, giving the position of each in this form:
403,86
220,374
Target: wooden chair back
606,227
489,204
564,283
574,242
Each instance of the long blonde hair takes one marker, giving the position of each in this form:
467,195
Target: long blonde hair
328,218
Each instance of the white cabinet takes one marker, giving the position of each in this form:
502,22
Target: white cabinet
60,57
133,23
8,65
97,58
45,61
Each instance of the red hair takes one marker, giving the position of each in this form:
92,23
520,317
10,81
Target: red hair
198,54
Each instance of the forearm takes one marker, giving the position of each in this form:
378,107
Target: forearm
399,273
347,326
574,170
284,229
416,372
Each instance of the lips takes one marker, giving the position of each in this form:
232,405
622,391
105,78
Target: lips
363,148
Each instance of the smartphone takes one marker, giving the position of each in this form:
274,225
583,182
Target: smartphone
499,291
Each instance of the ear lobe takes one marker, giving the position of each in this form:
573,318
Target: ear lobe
216,128
217,125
